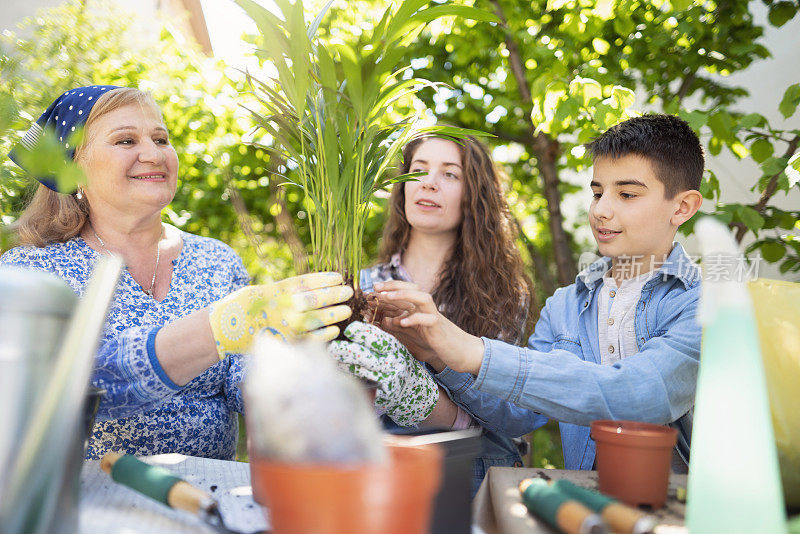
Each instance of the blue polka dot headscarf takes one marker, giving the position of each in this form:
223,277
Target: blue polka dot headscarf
64,116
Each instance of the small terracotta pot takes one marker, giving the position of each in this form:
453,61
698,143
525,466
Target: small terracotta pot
633,460
257,497
370,390
395,498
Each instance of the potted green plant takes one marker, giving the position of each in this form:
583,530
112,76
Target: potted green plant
326,111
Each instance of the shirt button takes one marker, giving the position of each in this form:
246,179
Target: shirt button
610,320
517,464
585,304
611,349
613,293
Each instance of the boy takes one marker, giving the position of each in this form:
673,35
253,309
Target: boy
621,342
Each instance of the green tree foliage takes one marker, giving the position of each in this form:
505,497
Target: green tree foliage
557,72
201,107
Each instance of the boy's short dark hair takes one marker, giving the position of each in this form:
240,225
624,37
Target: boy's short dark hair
666,141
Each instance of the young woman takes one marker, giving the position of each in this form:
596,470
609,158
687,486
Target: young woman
450,234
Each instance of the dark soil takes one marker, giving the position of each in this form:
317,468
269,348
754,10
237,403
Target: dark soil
365,308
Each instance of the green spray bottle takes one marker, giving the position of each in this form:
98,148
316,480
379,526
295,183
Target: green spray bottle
734,483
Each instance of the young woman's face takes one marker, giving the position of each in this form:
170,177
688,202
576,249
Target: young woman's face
129,162
433,204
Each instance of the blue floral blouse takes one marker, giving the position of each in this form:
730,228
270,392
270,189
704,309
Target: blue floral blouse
143,412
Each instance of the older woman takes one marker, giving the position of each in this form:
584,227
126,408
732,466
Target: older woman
169,358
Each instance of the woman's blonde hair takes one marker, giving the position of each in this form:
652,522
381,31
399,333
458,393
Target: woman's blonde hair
52,217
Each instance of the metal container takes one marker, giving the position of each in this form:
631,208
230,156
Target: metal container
34,310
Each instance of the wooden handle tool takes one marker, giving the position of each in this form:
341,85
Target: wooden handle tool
157,483
558,510
620,517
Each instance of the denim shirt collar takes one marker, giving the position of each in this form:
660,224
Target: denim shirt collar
678,265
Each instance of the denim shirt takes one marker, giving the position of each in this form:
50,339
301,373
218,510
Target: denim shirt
501,420
559,373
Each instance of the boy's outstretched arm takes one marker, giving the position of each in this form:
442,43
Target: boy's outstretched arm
656,385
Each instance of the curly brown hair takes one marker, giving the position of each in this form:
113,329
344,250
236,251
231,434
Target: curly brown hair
482,287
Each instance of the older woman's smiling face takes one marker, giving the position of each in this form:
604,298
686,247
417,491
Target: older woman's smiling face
129,162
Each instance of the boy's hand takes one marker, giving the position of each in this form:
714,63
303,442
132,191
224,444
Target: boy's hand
413,317
295,307
406,390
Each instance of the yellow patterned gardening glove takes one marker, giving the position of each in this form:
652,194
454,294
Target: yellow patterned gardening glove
301,306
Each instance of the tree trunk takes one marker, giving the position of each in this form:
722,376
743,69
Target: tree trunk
547,152
545,283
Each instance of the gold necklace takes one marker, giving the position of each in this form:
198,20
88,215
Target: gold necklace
149,292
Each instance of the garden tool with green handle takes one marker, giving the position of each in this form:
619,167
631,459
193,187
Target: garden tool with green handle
302,306
560,511
406,390
161,485
619,517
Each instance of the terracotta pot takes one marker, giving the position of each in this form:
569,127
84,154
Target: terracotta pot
633,460
370,390
392,499
257,497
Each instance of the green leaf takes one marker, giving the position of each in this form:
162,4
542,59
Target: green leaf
738,149
781,12
772,165
761,149
772,251
622,97
724,217
791,98
672,107
721,124
751,120
790,264
623,24
696,119
681,5
714,146
787,220
750,217
590,89
463,12
604,115
312,29
709,187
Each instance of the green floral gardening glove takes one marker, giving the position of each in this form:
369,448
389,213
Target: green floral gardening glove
295,307
406,391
